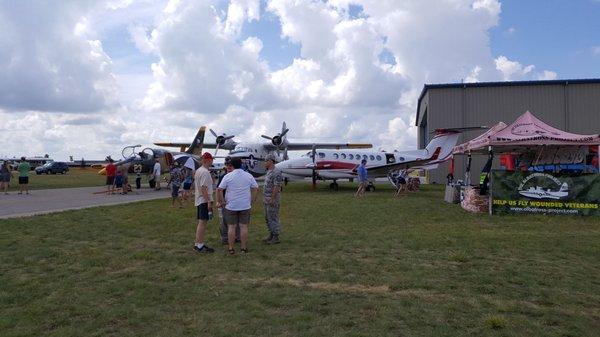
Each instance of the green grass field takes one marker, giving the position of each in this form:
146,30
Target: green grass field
76,177
373,267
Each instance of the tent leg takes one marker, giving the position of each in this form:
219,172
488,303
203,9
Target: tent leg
491,187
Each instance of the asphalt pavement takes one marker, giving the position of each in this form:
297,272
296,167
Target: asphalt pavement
62,199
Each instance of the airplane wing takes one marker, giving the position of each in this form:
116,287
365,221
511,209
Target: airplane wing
382,170
309,146
186,145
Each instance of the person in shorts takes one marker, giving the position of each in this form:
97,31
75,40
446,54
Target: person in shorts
400,184
224,230
23,169
203,185
363,179
111,172
188,179
175,181
242,191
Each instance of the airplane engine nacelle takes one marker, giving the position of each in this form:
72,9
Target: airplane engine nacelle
277,140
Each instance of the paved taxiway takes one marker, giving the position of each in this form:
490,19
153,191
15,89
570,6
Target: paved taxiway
62,199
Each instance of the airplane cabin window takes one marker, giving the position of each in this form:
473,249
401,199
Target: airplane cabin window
343,156
372,157
350,156
335,156
378,157
321,155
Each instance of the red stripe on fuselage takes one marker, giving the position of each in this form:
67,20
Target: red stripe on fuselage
335,165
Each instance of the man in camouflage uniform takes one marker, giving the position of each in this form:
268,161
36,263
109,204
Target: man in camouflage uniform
272,199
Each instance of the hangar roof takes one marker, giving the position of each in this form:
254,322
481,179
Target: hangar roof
499,84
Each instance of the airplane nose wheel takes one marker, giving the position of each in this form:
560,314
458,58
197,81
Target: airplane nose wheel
334,186
285,181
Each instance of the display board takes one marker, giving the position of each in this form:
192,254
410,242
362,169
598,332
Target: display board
545,193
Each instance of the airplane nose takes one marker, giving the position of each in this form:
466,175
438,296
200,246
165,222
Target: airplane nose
102,172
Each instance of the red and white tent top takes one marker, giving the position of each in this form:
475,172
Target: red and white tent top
527,130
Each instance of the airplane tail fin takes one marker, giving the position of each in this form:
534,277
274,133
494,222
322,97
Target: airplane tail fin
196,146
440,147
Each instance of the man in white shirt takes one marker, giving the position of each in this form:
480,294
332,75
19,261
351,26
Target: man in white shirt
156,173
203,184
242,190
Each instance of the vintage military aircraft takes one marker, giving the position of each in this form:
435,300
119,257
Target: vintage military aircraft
143,161
253,154
335,165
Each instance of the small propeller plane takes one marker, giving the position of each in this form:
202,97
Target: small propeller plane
335,165
253,154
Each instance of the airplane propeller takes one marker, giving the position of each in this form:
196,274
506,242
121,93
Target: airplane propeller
278,139
220,140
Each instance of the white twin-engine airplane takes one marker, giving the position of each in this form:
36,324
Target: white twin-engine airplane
253,153
342,164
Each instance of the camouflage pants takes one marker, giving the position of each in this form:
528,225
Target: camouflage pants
272,218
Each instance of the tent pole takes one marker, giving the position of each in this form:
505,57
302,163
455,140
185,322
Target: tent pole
491,182
468,170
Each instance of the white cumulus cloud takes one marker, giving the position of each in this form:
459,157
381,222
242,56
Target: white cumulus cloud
355,78
47,61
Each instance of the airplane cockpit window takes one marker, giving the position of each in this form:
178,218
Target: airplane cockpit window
343,156
147,153
351,156
379,157
335,156
321,155
372,157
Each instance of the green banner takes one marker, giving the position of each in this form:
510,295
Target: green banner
545,193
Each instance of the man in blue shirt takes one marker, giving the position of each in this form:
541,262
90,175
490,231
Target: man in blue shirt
363,179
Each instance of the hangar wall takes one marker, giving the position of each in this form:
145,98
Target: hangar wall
571,105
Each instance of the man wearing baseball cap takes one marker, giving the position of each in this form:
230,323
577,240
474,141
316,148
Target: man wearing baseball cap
272,199
203,185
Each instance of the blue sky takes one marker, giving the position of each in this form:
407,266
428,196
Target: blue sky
558,35
552,34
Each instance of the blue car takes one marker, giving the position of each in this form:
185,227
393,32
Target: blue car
53,168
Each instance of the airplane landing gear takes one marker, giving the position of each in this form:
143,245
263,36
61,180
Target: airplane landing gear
334,186
285,181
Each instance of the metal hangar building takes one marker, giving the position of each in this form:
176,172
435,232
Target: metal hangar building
570,105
